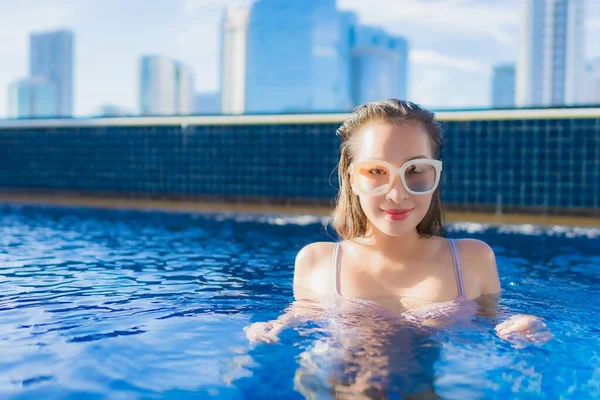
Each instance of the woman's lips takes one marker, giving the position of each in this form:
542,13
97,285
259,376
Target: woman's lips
397,215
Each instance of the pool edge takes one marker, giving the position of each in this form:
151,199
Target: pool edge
228,207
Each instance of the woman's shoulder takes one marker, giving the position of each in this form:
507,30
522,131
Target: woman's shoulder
474,249
314,254
467,248
313,264
478,260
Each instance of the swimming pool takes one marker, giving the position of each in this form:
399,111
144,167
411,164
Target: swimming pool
133,304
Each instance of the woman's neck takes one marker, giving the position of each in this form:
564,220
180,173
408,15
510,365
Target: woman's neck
395,247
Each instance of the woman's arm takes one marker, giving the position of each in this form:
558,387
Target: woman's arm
307,301
301,310
520,328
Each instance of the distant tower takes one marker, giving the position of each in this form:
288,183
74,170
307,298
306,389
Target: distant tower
296,57
51,57
551,58
234,36
593,82
379,65
503,86
32,98
166,87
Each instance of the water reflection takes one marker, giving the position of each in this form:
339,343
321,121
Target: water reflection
372,358
350,349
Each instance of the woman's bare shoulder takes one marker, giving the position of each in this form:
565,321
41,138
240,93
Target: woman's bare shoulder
479,260
476,250
312,269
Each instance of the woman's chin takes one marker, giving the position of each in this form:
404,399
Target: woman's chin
395,228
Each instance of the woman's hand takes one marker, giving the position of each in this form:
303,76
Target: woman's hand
263,332
524,328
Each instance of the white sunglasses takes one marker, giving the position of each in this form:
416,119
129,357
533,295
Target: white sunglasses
374,177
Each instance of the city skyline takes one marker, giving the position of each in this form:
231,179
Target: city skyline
443,74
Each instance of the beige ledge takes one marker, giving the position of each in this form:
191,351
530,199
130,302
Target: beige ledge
204,206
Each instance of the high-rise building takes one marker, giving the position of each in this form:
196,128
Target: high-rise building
503,86
529,76
234,34
184,89
593,82
348,24
207,103
551,57
379,65
51,56
32,98
157,86
166,87
294,57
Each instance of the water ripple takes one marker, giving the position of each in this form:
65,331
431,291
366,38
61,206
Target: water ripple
143,304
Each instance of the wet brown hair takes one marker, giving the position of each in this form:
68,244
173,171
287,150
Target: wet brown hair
348,218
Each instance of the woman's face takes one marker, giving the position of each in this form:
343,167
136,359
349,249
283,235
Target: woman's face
396,212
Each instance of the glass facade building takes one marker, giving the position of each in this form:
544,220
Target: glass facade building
51,57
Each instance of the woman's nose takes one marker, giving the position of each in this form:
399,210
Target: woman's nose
397,192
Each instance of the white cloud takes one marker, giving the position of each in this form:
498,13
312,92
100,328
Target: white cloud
496,20
436,59
594,24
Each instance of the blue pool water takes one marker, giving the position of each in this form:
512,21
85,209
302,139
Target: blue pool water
124,304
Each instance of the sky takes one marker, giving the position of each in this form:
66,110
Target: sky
453,43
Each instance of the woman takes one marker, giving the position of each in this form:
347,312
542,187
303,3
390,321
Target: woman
389,216
393,265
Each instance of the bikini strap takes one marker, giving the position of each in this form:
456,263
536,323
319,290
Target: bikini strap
457,267
336,268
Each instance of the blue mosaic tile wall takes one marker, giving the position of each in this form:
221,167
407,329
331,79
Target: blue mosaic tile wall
549,165
541,166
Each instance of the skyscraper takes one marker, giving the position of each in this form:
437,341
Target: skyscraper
166,87
32,98
207,103
551,58
348,24
379,65
294,57
593,82
184,89
234,34
51,56
157,86
503,86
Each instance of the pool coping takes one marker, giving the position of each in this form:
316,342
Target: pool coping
119,203
183,121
